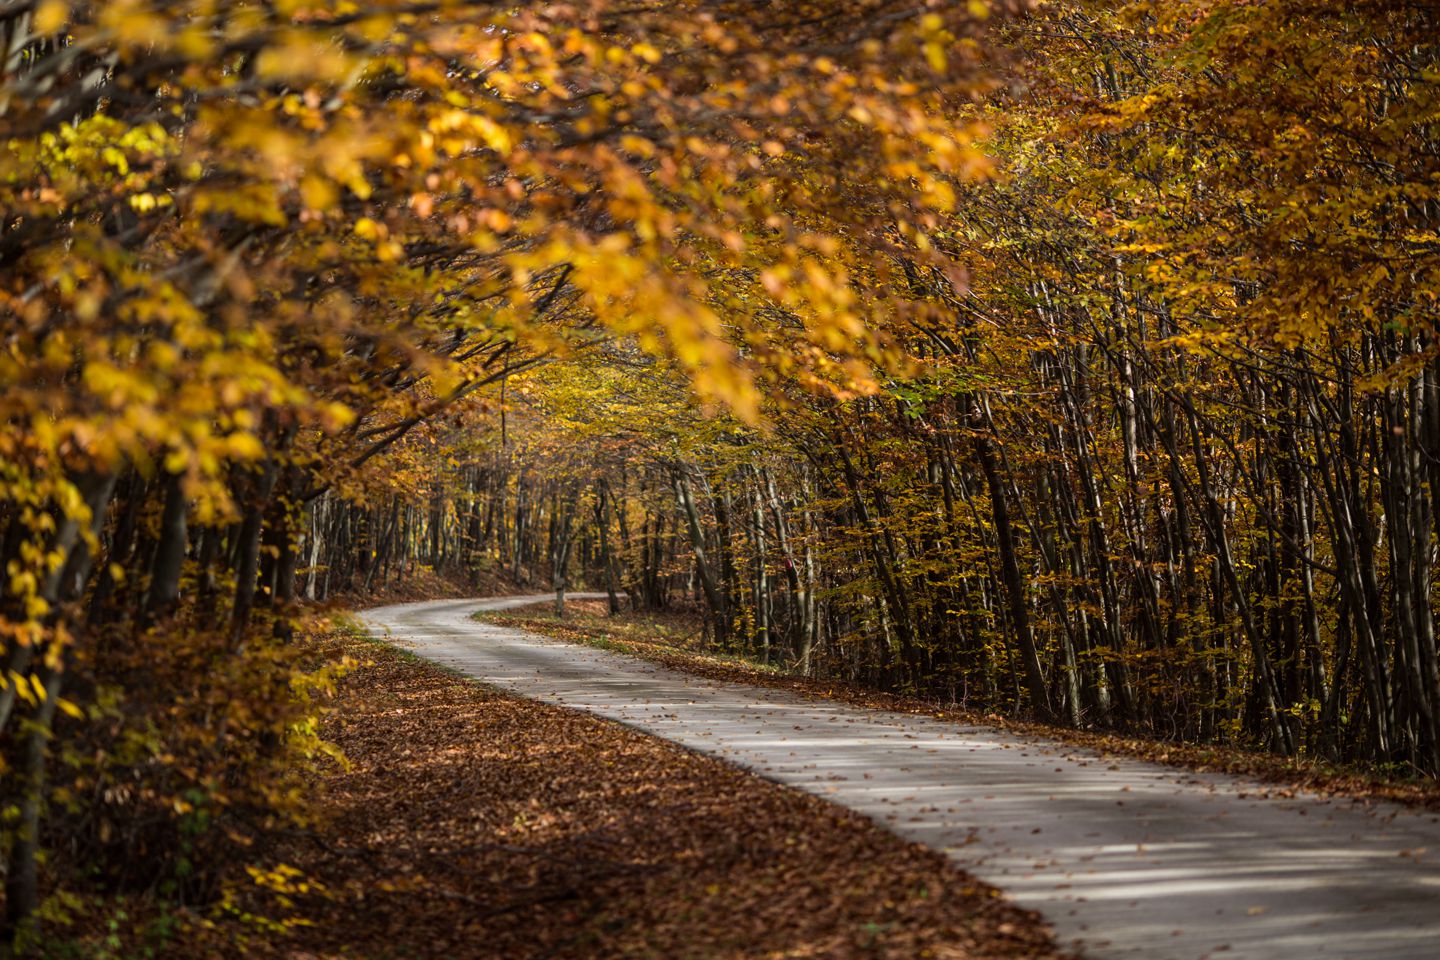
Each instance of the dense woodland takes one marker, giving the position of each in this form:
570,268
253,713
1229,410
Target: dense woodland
1069,360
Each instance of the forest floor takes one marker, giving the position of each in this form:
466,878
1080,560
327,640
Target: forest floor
676,640
426,583
475,824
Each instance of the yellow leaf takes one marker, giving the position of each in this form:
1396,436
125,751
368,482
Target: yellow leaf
368,229
244,446
51,15
317,192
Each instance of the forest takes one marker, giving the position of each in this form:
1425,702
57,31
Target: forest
1065,360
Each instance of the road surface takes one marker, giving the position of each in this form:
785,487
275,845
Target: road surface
1125,859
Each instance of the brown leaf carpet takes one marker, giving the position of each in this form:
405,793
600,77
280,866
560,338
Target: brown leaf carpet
473,824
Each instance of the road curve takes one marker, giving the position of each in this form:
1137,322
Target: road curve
1125,859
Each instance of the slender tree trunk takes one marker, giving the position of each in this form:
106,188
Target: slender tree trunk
1014,582
164,593
719,613
60,590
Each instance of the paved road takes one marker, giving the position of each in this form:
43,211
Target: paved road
1125,859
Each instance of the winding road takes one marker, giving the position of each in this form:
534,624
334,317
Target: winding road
1124,859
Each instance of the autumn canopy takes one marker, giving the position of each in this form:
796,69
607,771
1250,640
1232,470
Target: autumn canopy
1063,359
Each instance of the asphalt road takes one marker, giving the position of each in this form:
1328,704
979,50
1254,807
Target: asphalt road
1125,859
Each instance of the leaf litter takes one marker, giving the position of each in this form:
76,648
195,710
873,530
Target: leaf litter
475,824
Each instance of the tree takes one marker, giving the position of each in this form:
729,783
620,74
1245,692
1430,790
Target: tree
250,249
